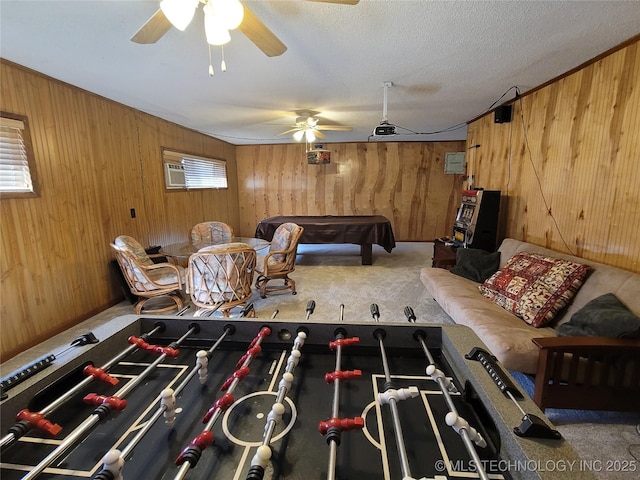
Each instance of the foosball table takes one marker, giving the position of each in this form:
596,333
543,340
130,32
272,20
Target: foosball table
161,397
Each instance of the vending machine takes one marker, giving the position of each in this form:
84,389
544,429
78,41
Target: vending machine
476,224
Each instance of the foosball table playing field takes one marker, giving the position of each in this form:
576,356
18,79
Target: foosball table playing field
162,397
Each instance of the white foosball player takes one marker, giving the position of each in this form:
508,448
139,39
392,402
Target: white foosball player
458,423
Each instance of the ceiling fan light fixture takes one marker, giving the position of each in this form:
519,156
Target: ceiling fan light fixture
230,11
309,135
179,12
297,136
214,27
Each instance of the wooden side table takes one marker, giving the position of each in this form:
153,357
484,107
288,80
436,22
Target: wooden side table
444,256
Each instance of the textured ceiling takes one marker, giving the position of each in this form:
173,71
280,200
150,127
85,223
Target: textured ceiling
448,61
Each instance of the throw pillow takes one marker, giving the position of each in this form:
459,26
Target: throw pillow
535,287
475,264
604,316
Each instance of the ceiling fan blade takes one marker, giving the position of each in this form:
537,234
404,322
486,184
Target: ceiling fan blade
319,134
335,128
258,33
153,30
289,131
344,2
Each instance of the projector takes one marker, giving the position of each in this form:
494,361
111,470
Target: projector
384,129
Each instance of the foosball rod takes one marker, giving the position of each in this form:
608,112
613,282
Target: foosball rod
104,409
395,416
113,461
332,428
205,438
335,408
20,429
292,363
446,387
263,454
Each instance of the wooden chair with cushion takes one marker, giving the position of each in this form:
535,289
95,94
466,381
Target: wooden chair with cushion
211,232
146,279
220,277
280,261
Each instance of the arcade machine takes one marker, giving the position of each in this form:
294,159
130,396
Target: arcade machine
476,225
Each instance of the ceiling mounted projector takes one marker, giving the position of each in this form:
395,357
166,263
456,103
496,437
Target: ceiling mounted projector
385,128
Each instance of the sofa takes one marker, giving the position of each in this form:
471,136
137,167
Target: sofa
557,361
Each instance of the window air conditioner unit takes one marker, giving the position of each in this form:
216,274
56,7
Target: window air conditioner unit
174,175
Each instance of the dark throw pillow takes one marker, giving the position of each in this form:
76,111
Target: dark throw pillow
604,316
476,265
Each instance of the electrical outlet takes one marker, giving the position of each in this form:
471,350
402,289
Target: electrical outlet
133,213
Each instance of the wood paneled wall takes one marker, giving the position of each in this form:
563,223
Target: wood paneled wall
570,162
403,181
95,159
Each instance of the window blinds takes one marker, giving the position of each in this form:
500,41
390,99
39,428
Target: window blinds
199,172
14,164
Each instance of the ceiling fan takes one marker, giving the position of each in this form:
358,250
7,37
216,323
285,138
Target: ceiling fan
307,126
250,24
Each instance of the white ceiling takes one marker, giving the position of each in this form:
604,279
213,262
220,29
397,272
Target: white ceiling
448,61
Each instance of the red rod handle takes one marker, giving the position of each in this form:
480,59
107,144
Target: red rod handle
116,403
342,375
344,342
265,332
100,374
193,451
239,374
222,404
342,424
37,420
140,343
253,351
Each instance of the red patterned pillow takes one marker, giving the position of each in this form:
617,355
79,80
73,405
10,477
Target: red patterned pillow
535,287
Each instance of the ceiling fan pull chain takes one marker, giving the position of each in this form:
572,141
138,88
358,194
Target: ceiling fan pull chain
223,65
210,63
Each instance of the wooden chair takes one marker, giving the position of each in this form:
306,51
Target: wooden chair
146,279
212,232
280,261
220,277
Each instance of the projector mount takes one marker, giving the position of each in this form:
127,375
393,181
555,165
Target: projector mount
385,128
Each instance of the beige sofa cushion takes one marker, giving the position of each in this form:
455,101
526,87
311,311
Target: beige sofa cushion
508,337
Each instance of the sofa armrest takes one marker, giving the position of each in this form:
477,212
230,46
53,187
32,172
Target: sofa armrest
595,373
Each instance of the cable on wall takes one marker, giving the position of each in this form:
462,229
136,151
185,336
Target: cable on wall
535,172
510,152
144,186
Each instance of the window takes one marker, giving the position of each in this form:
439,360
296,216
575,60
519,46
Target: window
17,168
199,172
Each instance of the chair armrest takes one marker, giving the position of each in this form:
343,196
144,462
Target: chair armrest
281,252
594,373
159,266
277,252
570,344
